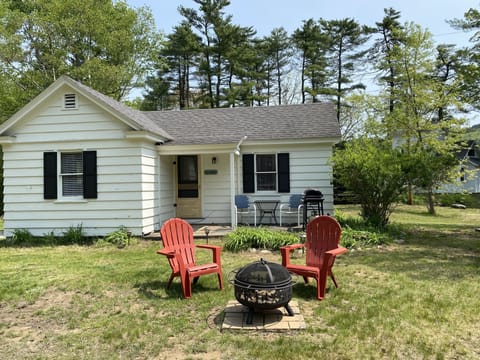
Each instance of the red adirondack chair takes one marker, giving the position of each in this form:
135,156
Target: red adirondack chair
322,246
179,248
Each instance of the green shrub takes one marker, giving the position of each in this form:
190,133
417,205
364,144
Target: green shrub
21,237
243,238
74,235
356,232
355,238
460,198
50,238
120,238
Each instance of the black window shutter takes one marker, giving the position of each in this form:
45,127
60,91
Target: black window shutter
283,172
49,175
248,173
90,174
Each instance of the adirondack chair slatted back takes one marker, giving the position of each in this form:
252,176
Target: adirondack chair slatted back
177,235
179,248
322,247
322,234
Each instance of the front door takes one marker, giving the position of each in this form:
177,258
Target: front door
188,187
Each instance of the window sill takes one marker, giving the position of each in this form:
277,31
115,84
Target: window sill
70,201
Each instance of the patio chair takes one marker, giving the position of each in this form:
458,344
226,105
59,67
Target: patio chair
322,246
243,206
179,248
294,206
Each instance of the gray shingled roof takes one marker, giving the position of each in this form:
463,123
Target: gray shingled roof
228,125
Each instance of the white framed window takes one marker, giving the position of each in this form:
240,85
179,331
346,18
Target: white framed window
266,172
71,174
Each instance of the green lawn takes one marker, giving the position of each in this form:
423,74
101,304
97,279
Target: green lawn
417,298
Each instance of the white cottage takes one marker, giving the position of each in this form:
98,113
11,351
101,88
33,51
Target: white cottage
73,156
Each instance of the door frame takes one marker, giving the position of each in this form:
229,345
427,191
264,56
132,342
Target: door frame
188,206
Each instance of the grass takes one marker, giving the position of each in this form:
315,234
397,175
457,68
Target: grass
416,298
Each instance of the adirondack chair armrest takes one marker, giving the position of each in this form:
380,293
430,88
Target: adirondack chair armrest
212,247
293,246
172,254
285,251
216,251
166,252
338,251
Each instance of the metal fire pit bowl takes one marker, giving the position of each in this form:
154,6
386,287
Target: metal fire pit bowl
262,285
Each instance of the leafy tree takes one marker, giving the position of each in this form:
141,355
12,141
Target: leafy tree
372,169
279,53
390,33
105,44
208,21
180,51
445,70
239,65
410,145
158,96
310,42
346,37
427,143
468,65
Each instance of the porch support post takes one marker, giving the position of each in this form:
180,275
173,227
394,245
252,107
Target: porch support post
232,190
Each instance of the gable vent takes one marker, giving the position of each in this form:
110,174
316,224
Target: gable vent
70,101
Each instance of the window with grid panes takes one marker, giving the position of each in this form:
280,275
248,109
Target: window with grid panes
72,174
266,172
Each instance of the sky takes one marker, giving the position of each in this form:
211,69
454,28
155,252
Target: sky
266,15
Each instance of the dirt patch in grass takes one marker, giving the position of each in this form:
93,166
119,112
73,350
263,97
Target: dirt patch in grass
26,330
43,327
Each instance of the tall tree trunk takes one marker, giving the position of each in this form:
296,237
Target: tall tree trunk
410,194
430,202
303,79
279,82
339,81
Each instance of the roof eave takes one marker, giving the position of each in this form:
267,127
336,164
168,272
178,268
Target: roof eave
188,149
5,140
196,149
145,135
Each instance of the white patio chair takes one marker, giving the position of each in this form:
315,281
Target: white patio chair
243,206
294,206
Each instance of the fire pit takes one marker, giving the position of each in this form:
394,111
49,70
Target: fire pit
263,285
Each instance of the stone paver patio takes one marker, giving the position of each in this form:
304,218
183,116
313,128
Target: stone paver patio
269,320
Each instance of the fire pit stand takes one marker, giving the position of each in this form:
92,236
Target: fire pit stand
262,285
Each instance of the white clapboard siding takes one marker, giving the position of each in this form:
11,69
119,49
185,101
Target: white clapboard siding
136,186
166,208
309,168
149,185
127,176
216,189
